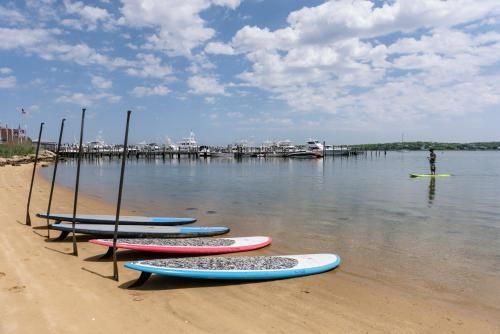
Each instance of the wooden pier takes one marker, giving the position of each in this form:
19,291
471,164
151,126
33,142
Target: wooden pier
205,152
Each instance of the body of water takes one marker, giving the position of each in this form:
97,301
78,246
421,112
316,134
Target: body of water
425,235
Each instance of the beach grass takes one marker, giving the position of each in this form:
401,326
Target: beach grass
9,150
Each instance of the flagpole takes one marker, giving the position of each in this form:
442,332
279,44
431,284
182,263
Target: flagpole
22,125
19,141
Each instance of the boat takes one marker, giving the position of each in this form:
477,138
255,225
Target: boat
222,154
188,144
332,150
204,151
314,145
304,155
96,146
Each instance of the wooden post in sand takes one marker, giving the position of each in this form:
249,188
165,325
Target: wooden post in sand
54,175
28,219
75,202
119,202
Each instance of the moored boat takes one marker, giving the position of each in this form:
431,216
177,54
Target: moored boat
304,155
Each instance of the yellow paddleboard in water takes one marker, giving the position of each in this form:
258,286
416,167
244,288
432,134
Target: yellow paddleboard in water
429,175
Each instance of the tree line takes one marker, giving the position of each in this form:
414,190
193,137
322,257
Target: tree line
425,145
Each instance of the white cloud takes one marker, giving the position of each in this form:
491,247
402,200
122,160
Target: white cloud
141,91
327,60
23,38
11,16
343,19
8,82
219,48
204,85
45,10
233,4
83,99
132,46
5,70
46,44
100,82
149,66
34,108
90,16
72,23
75,98
178,25
210,100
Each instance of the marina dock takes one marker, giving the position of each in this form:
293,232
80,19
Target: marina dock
200,152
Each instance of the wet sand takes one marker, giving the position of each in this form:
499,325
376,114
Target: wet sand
45,290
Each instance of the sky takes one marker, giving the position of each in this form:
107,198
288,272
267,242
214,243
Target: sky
344,72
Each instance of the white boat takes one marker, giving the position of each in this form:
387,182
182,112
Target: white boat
204,151
304,155
286,146
188,144
96,146
314,145
220,154
332,150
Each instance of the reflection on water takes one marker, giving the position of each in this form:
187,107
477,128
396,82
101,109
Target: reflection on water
382,222
432,190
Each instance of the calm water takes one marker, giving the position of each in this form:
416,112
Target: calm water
439,235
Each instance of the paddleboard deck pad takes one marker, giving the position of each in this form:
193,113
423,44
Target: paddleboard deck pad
110,219
141,231
189,246
430,175
236,268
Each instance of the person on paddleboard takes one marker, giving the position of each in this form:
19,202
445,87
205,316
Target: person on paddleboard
432,161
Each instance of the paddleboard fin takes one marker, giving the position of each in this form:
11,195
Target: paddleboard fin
141,280
108,254
63,236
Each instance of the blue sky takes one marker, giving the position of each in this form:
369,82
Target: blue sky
343,71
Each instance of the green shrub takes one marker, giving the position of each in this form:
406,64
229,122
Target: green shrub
9,150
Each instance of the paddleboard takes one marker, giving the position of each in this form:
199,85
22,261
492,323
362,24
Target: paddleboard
189,246
124,220
142,231
238,268
430,175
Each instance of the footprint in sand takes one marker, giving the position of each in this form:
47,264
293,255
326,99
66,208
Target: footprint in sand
137,297
211,212
191,209
2,274
17,288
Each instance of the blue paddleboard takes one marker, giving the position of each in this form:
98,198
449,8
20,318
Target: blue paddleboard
110,219
142,231
239,268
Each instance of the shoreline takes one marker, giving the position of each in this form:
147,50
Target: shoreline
44,289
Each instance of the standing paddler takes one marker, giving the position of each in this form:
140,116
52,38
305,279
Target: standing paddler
432,161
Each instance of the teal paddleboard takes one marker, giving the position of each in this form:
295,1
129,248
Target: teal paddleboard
430,175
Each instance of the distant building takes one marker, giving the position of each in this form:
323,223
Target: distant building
47,145
11,135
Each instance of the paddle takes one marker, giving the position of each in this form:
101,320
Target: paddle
28,219
54,175
75,202
119,202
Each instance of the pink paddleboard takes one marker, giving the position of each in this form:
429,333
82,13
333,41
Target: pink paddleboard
189,245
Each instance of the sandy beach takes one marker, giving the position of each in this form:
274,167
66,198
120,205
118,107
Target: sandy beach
43,289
